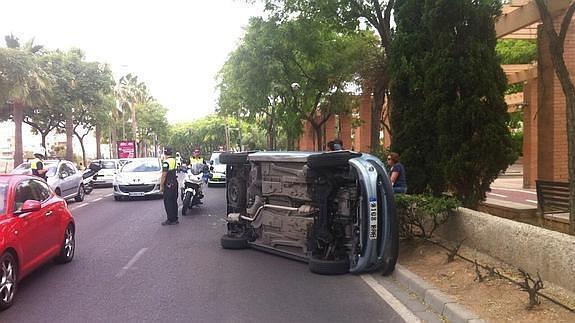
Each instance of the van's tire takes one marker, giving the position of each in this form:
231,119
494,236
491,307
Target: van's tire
231,242
331,159
328,267
236,193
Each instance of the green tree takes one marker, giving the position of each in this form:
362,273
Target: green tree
556,43
152,124
132,92
298,69
449,116
22,83
345,16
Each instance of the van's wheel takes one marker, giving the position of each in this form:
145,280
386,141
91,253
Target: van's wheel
81,193
68,246
237,193
328,267
231,242
8,281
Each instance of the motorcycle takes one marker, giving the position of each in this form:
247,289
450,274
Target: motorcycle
88,177
192,188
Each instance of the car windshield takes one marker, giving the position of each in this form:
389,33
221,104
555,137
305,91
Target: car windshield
51,168
140,166
108,164
3,193
21,167
216,159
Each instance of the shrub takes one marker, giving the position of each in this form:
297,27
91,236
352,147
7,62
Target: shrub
420,215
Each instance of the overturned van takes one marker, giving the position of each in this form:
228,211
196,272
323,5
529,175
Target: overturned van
333,210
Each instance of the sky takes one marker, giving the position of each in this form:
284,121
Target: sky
176,47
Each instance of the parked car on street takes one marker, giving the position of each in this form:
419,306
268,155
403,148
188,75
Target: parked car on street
217,170
62,177
105,176
35,227
334,210
140,177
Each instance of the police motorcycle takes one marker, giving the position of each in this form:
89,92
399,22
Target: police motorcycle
191,190
88,177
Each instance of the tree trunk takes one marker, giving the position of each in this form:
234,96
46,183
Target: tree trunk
376,109
69,138
113,133
44,135
83,149
318,136
271,133
134,127
18,119
98,141
556,48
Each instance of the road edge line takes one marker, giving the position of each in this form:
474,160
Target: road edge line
391,300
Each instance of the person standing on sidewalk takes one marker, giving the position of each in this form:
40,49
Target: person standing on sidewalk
397,173
169,186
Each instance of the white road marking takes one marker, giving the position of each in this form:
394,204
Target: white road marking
531,201
96,200
130,263
494,194
397,306
513,190
109,194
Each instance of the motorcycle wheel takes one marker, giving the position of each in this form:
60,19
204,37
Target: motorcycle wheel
186,202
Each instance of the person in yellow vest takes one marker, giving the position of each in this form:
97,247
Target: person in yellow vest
37,164
196,158
169,186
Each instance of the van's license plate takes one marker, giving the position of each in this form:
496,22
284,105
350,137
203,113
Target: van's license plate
373,219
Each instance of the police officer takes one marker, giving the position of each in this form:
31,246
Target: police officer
196,158
169,186
37,164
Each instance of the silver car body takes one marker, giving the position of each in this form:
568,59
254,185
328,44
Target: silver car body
140,177
62,176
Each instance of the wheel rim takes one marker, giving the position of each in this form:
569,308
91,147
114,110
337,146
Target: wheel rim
81,193
69,242
7,280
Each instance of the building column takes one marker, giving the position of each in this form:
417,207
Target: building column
345,130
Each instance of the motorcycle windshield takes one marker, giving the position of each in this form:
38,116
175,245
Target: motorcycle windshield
196,169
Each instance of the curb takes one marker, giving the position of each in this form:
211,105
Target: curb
438,301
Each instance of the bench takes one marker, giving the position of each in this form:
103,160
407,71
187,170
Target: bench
552,197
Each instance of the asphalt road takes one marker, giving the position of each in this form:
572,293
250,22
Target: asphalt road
129,268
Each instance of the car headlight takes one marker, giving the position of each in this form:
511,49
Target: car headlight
119,180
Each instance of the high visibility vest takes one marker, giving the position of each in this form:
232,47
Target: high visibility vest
196,160
34,164
178,160
171,176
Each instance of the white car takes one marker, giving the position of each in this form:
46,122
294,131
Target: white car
141,177
62,176
105,176
217,170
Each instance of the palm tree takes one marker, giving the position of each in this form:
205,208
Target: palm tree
22,82
130,93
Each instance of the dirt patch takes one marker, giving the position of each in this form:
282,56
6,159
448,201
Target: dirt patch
495,299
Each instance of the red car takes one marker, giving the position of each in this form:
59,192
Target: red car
35,227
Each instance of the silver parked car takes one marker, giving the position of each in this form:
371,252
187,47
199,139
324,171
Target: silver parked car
140,177
62,176
109,168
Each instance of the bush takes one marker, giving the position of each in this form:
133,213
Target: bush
420,215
